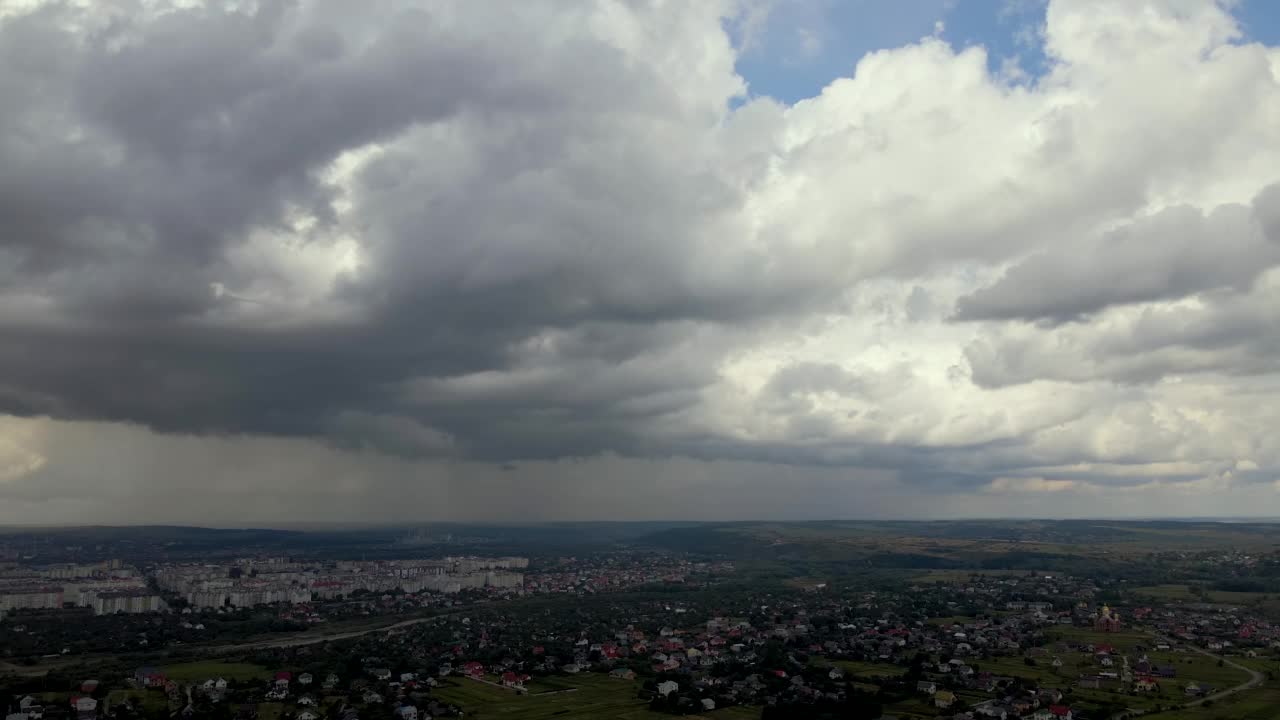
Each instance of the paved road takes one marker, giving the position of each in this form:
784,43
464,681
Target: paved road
1255,678
314,639
42,669
309,639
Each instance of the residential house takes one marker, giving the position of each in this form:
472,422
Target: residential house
148,677
991,710
513,679
85,707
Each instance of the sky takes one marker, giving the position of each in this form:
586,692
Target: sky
314,261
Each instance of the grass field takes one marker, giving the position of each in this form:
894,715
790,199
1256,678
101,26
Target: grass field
1042,672
1201,669
152,702
1125,641
1262,703
963,575
860,669
1190,666
588,696
916,707
804,582
1170,693
1269,602
1259,704
270,711
200,671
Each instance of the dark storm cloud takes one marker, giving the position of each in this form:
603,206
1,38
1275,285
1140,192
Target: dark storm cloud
535,231
1224,332
1174,253
517,209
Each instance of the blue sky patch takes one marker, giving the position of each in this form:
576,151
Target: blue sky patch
805,44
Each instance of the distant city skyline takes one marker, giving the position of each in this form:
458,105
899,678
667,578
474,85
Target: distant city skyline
324,262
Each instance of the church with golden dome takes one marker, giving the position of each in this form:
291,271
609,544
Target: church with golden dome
1106,620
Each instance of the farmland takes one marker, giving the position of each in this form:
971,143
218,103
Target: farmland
195,672
869,670
586,696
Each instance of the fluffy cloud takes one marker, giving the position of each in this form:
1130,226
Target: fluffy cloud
440,235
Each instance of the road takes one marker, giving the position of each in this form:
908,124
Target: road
42,669
1255,679
314,639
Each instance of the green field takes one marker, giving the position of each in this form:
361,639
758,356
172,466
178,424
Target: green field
152,702
200,671
1042,672
860,669
963,575
587,696
1259,704
1188,594
916,707
1191,666
1124,641
1201,669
